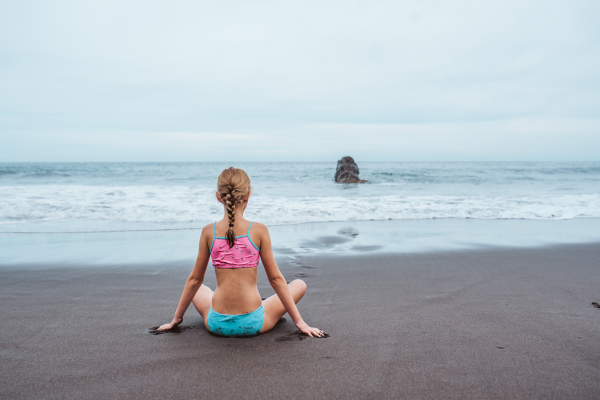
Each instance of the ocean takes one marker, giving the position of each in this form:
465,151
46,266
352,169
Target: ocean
151,213
93,197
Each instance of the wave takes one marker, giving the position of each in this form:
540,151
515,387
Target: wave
185,206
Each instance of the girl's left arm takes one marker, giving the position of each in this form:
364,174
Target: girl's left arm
194,281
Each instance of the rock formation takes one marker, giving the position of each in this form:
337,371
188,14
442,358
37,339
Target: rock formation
347,171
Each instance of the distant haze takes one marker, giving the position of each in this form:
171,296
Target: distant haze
304,81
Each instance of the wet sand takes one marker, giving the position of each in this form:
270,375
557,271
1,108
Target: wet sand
488,323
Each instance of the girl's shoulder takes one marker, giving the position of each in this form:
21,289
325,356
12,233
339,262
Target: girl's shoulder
259,227
208,230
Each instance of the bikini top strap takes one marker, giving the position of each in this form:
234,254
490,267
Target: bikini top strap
215,230
250,227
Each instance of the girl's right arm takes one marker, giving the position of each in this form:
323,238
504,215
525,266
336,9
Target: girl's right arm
279,284
194,281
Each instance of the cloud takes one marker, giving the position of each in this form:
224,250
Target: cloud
90,76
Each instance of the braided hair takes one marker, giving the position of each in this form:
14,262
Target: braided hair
233,185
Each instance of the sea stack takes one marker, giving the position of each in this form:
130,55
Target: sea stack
347,171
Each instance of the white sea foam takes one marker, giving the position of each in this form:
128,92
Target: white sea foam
163,207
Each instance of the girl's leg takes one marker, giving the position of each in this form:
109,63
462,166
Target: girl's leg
274,308
202,301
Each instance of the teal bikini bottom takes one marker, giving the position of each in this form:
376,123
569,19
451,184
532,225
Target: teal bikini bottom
236,325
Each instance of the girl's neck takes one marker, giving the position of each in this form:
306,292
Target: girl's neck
239,214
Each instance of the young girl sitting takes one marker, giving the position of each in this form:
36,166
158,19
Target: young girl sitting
235,244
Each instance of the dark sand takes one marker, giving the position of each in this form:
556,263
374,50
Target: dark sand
499,323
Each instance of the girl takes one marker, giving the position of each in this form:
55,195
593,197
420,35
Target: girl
235,308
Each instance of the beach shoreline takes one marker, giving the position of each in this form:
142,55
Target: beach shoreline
493,323
166,247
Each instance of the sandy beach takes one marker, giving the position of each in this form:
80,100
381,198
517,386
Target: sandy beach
482,323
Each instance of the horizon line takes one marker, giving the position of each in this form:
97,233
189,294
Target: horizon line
293,161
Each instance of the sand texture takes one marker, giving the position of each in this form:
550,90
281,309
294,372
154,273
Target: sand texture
494,323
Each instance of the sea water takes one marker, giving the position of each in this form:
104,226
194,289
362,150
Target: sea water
125,198
64,197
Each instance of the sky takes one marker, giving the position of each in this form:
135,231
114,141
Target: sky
299,81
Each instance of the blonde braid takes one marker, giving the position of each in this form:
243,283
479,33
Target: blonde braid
229,202
233,184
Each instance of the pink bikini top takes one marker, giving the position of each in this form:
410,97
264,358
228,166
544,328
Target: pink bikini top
243,254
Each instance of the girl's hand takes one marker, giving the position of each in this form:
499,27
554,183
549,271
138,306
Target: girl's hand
312,332
176,321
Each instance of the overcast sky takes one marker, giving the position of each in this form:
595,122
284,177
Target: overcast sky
275,80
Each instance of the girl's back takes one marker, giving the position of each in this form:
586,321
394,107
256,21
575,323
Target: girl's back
236,291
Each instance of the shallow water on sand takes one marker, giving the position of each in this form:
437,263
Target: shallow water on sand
293,240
